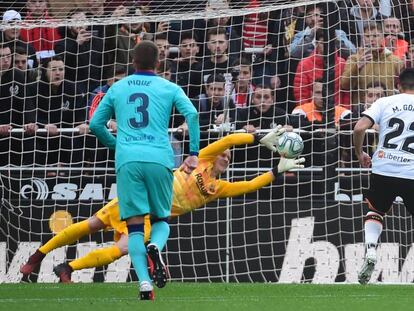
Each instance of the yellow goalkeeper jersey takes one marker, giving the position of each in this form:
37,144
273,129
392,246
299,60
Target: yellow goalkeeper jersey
192,191
200,187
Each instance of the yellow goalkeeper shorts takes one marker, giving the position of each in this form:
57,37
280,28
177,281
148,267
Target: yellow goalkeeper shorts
109,215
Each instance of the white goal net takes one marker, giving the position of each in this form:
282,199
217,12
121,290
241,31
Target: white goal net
247,66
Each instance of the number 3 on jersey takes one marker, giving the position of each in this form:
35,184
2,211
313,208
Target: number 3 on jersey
141,101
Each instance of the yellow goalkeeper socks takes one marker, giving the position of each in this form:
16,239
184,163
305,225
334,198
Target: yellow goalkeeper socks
67,236
97,258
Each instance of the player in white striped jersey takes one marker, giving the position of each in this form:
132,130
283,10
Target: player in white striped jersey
392,163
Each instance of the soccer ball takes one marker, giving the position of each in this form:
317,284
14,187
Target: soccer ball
290,145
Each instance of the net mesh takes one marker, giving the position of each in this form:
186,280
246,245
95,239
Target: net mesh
281,59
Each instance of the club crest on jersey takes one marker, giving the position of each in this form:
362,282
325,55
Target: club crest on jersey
14,90
65,105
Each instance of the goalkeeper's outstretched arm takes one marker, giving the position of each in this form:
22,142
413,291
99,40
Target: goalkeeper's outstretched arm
269,141
232,189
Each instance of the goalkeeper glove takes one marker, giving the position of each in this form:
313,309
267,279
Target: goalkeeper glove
287,164
271,139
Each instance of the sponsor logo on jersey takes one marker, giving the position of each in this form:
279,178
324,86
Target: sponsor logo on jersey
388,155
200,184
146,137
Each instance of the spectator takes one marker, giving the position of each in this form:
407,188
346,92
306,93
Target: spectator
303,42
218,61
311,115
104,33
82,53
94,8
188,49
386,7
213,6
100,155
12,36
255,27
371,63
163,45
17,5
242,78
16,111
120,40
230,24
312,68
394,38
60,9
211,104
374,91
285,24
353,21
42,39
164,69
409,61
404,11
105,8
59,106
293,20
262,113
275,84
22,63
119,72
16,107
185,66
279,92
262,30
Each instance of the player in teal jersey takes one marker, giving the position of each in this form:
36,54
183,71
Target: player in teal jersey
142,104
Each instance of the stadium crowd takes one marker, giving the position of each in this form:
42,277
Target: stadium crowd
54,77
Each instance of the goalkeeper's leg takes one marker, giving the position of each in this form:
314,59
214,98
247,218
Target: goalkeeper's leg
67,236
97,258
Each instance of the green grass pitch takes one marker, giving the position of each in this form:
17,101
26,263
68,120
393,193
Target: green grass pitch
206,296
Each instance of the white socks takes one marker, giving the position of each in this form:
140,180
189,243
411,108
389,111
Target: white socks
373,228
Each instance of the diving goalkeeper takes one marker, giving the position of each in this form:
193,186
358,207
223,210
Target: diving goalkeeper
189,193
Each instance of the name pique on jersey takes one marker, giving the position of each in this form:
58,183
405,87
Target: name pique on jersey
139,82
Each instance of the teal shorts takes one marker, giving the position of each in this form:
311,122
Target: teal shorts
144,188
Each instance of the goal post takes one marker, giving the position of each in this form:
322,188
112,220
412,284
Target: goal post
283,59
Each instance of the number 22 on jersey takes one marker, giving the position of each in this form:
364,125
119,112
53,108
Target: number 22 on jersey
397,132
